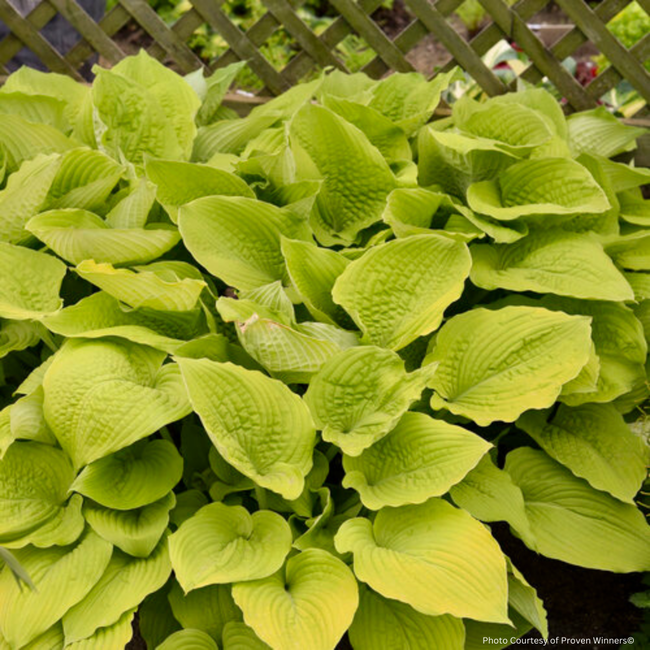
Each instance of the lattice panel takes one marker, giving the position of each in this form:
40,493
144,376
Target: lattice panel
357,17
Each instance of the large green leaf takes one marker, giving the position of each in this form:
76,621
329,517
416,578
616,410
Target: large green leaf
222,544
188,639
62,576
496,364
238,239
356,177
433,557
309,604
144,288
78,235
455,161
238,636
177,99
133,477
550,261
84,180
209,609
313,272
360,394
257,424
549,186
420,458
18,335
409,99
136,532
290,351
22,140
135,123
599,132
178,183
123,585
489,494
24,196
572,522
109,637
31,283
85,376
383,624
100,315
595,443
418,211
399,291
34,483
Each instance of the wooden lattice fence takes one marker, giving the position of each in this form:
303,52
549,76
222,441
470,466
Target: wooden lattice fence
170,43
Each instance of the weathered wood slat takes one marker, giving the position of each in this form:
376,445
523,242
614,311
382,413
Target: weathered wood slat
30,36
598,34
149,20
459,48
355,17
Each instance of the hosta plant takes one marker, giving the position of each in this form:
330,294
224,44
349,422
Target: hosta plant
268,382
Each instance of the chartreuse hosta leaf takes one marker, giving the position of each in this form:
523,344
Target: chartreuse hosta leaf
133,210
52,639
209,609
496,364
599,132
418,211
34,483
188,639
313,272
109,637
489,494
290,351
133,477
595,443
85,376
384,134
23,140
455,161
177,99
221,544
360,394
409,99
84,180
31,283
238,636
398,291
27,421
62,577
144,288
356,177
619,342
308,604
257,424
433,557
24,196
384,624
123,585
550,261
572,522
546,187
18,335
178,183
238,239
100,315
517,128
135,532
420,458
77,235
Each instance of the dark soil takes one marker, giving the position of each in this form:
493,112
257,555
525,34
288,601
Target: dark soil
580,602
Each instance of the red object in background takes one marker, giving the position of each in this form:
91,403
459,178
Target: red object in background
586,71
